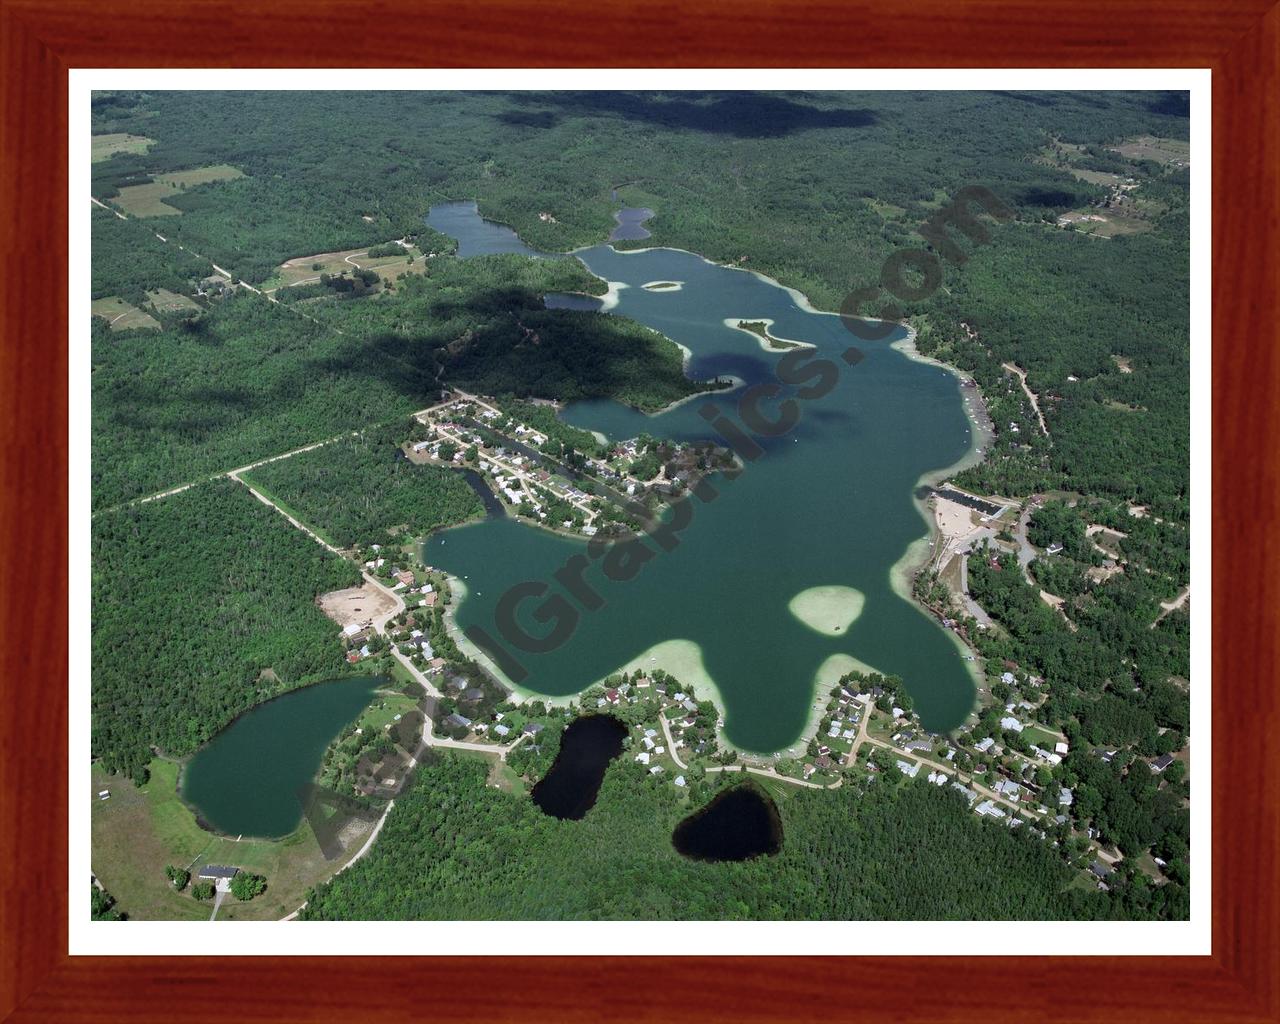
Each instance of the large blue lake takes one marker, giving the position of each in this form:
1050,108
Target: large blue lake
828,505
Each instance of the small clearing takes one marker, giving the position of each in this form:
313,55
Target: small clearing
149,200
1057,603
1169,606
104,147
165,301
355,604
1014,368
307,269
122,316
1172,152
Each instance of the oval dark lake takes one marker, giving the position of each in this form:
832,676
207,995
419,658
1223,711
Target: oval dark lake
569,790
246,780
737,825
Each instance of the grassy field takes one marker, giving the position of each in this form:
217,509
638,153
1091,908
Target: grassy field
122,316
1148,147
199,176
166,301
149,200
1041,737
139,831
106,146
386,708
307,269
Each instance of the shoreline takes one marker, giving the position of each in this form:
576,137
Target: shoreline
917,553
920,551
735,323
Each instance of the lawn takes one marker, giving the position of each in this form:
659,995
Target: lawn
104,147
384,709
1041,737
137,832
122,316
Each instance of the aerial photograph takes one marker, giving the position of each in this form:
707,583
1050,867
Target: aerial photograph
639,506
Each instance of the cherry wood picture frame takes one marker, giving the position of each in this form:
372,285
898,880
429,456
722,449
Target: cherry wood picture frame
41,39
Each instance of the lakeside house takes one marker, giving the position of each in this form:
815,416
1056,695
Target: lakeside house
219,874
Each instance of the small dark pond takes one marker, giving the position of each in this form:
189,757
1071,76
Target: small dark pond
737,825
586,748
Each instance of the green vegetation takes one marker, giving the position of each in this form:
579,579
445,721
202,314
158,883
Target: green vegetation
102,905
150,198
732,176
1059,306
120,316
562,439
194,597
128,261
249,379
913,851
245,886
140,831
103,147
362,490
245,381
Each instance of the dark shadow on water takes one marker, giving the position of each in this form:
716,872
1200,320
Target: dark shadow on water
569,790
739,824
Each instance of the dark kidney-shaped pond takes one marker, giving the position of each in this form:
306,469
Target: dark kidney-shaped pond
737,825
569,790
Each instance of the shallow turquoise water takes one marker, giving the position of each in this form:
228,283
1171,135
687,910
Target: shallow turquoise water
830,502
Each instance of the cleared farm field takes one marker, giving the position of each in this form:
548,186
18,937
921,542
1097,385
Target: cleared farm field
1149,147
170,302
149,200
307,269
200,176
106,146
122,316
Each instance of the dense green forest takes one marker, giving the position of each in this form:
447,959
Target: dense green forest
195,595
194,598
816,189
360,489
128,260
483,322
455,848
1063,305
247,379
